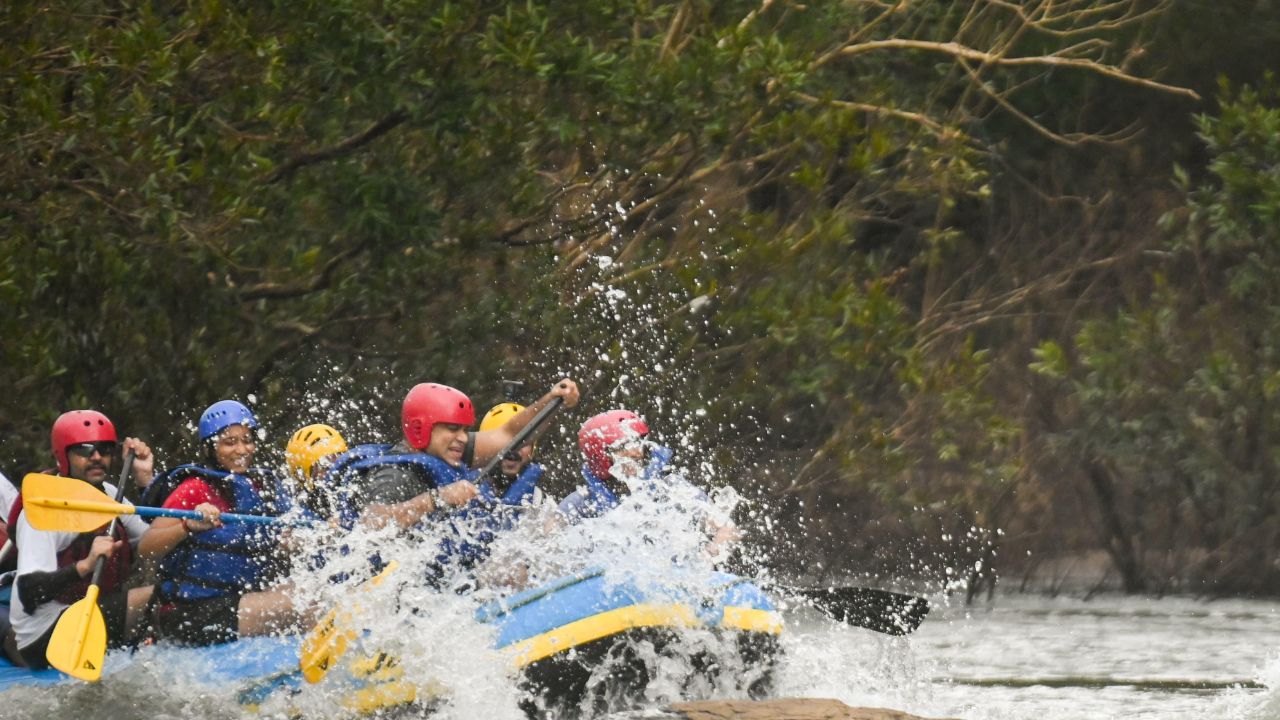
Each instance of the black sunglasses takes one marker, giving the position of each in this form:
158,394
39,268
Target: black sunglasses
105,448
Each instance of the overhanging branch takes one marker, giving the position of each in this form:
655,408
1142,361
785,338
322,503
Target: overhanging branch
968,53
281,291
346,147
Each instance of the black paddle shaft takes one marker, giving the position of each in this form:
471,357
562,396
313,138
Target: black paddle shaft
879,610
518,441
111,529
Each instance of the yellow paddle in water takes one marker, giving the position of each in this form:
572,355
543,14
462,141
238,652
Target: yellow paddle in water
328,640
79,642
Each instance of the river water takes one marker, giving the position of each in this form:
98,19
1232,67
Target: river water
1029,657
1020,658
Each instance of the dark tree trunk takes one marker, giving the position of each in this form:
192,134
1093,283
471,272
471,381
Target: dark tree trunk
1120,542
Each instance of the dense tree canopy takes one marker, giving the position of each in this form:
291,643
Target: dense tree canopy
816,243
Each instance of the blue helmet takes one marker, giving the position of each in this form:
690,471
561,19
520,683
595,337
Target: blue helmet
222,415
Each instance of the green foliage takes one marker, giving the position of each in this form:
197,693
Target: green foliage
1177,390
755,223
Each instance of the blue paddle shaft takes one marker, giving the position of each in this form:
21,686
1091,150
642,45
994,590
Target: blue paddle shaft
226,517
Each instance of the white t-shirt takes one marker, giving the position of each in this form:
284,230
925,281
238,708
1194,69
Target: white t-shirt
38,552
8,496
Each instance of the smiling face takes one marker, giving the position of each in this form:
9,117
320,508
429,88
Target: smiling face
448,440
234,448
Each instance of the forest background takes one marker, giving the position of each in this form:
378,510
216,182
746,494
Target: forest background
945,290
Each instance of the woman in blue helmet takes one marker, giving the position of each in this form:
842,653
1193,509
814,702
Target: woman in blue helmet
215,582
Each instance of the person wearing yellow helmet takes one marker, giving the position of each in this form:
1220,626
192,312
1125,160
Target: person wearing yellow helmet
310,454
515,480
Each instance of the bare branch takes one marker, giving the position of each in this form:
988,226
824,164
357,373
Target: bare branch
878,110
346,147
968,53
281,291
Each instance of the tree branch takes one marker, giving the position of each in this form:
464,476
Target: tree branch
968,53
346,147
877,110
282,291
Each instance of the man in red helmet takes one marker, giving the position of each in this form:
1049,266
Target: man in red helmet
428,470
620,460
54,567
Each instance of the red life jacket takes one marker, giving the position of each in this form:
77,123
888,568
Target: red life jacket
114,572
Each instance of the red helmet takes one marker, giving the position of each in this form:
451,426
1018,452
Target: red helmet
428,404
602,431
79,426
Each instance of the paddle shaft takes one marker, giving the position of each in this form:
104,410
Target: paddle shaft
121,509
520,438
878,610
111,529
226,517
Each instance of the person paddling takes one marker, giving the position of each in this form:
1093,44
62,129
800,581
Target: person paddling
514,481
214,578
54,568
429,469
619,460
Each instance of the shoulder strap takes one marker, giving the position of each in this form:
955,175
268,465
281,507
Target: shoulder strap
14,512
440,472
164,484
343,462
524,485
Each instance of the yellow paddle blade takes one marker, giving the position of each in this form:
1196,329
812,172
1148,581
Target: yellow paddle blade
328,640
79,642
326,643
66,504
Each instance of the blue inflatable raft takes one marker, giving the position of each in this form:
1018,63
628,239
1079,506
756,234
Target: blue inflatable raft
559,635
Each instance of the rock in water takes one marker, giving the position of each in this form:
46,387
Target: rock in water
784,709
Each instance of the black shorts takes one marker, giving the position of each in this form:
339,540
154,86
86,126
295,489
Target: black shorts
115,612
198,623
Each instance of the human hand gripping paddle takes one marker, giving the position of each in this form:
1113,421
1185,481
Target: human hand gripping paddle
521,437
70,505
328,640
879,610
79,641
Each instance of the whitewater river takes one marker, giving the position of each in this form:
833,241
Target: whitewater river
1036,658
1022,658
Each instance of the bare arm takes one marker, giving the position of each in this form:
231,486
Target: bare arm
492,442
165,533
403,515
724,537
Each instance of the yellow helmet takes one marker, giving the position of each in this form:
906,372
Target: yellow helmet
308,445
499,415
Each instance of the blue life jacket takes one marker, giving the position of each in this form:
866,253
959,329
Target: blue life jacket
468,531
520,492
596,498
229,560
358,462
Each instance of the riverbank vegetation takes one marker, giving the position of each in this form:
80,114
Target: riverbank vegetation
943,288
